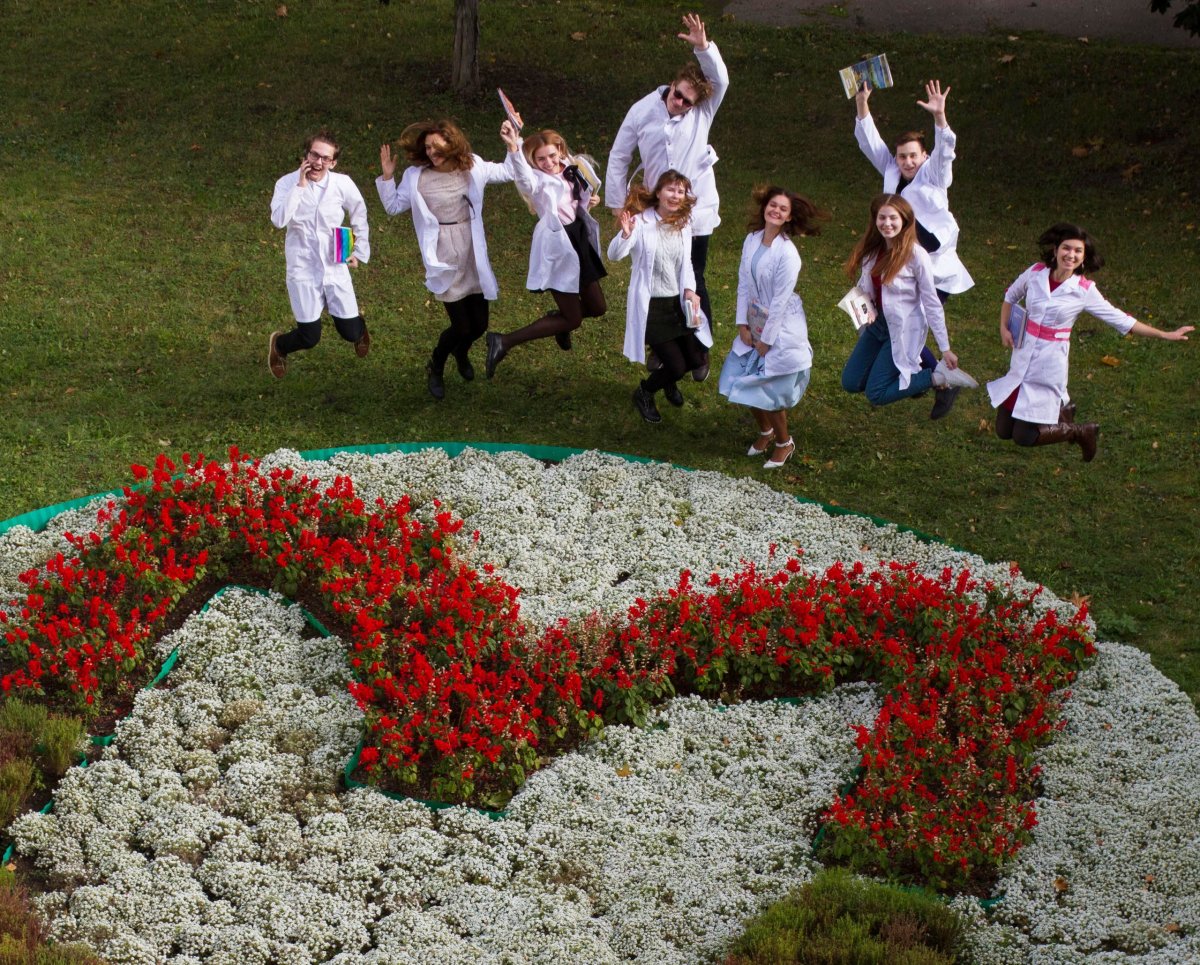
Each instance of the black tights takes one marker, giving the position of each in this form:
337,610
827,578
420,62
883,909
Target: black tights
1018,430
572,310
468,321
678,356
306,336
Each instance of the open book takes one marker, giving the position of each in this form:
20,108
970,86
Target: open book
859,306
874,72
1016,325
587,171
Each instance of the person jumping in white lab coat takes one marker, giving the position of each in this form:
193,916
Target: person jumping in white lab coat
311,203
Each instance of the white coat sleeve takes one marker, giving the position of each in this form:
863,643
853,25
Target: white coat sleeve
620,246
396,199
1096,304
783,284
941,160
356,209
688,279
616,176
284,202
495,172
871,144
716,73
1016,291
931,305
744,285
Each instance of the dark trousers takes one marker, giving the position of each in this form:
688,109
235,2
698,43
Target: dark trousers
870,368
1018,430
468,321
306,336
678,356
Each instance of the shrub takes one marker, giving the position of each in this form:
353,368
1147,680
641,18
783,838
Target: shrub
838,919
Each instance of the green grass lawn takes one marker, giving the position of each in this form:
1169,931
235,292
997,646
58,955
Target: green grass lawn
141,275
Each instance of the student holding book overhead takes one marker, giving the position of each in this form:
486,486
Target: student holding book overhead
923,180
898,274
565,255
443,187
768,367
311,203
1031,400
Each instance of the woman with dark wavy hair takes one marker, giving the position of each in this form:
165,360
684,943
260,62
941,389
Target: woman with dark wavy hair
443,187
768,367
1031,400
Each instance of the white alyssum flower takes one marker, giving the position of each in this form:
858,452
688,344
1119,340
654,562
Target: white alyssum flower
213,831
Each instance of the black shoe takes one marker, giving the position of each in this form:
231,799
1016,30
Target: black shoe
564,341
495,353
437,388
672,394
644,402
944,401
465,368
700,372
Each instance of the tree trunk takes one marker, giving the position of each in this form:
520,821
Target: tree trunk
465,71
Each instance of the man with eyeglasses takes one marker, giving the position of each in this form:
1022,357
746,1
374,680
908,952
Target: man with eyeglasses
669,128
311,204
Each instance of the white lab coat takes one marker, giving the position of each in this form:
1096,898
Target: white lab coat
1039,366
911,306
553,262
405,197
927,193
666,143
643,242
314,280
786,329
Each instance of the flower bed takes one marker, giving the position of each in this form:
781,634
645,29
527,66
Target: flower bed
699,527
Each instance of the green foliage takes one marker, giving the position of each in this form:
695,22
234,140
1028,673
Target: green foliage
21,936
837,919
58,747
17,780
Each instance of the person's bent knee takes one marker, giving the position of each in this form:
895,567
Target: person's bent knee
878,396
851,381
1026,433
309,334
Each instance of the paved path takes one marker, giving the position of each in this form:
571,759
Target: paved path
1127,20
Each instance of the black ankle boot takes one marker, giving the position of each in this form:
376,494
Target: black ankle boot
437,387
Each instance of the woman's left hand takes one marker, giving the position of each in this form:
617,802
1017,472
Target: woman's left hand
950,359
694,300
762,348
593,201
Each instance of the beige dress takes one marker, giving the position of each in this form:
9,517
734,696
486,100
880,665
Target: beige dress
445,193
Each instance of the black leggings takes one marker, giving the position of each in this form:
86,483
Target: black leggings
678,356
468,321
572,310
1018,430
306,336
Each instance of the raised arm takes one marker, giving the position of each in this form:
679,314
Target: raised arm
869,141
709,57
935,102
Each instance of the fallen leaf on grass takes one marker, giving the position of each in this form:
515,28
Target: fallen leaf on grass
1110,361
624,770
579,35
1079,151
1082,40
1079,599
1007,58
1131,172
984,425
1061,884
281,10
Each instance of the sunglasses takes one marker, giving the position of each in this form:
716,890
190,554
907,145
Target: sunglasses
685,101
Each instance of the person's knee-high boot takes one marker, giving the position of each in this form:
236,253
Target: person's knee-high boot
1084,435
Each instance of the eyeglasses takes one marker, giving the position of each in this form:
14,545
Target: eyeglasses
326,158
685,101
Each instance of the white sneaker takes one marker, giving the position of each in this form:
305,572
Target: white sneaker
946,377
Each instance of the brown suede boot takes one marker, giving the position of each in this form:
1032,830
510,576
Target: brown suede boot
1085,436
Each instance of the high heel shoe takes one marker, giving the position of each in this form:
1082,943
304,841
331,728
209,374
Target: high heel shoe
790,446
765,438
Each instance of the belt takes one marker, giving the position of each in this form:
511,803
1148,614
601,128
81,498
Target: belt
1046,333
464,221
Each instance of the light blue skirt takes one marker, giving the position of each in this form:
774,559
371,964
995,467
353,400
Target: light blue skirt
744,381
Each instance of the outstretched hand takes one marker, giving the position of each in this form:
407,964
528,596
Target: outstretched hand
861,96
935,101
625,220
1180,334
509,135
694,34
387,162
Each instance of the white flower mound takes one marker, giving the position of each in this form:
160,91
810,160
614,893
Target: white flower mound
212,831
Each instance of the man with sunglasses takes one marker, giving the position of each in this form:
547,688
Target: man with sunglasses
311,203
669,128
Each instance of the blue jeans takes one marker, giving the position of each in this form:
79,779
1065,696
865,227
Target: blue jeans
870,368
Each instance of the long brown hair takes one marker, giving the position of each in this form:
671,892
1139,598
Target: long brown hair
873,246
640,198
458,148
804,217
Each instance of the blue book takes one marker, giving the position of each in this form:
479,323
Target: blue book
1016,325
